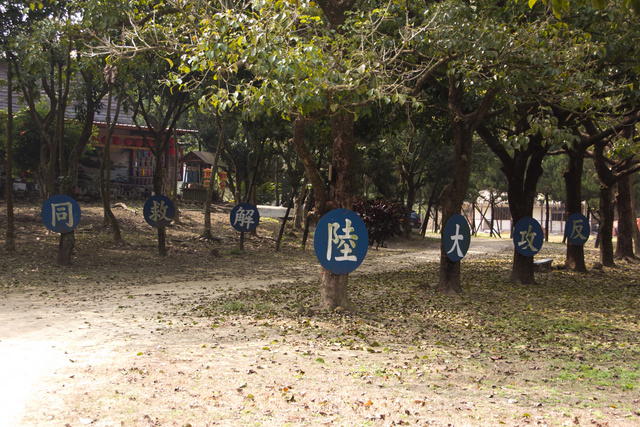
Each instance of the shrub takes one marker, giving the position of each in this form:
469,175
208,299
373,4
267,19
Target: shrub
381,217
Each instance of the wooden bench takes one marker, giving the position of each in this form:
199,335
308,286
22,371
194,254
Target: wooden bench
542,265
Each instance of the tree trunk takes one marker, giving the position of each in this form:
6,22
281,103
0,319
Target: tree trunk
605,231
522,269
334,287
573,186
10,241
607,185
207,234
626,219
157,189
65,248
105,175
454,193
310,169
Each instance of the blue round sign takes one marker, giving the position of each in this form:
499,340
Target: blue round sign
457,237
341,241
158,211
61,213
528,236
244,217
577,229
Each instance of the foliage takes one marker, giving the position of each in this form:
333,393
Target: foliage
382,218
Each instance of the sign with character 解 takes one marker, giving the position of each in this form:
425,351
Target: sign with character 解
244,217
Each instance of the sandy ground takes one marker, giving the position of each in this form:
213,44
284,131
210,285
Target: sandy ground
60,347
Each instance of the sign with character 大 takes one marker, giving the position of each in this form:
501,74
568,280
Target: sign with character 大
341,241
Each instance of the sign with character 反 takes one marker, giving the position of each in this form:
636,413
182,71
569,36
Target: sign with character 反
341,241
244,217
158,211
577,229
61,213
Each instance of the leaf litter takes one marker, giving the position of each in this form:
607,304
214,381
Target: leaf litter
153,347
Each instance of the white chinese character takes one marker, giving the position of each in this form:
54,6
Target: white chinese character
244,217
346,242
576,233
61,212
159,211
457,238
526,238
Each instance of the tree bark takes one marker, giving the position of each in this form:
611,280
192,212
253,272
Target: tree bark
10,242
65,248
207,234
454,193
334,287
626,219
573,186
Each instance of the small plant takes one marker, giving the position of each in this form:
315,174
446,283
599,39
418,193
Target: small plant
382,219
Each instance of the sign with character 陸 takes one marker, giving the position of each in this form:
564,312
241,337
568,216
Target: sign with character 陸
341,241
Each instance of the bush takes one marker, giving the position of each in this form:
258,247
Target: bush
382,218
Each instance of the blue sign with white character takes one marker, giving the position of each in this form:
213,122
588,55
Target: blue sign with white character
244,217
158,211
61,213
457,237
528,236
577,229
341,241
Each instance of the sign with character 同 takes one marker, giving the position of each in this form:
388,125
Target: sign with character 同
341,241
158,211
61,213
244,217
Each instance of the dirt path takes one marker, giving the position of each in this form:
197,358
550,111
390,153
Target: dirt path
57,346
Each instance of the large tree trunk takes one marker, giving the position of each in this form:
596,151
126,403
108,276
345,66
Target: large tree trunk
607,185
10,242
605,231
105,175
207,233
626,219
65,248
573,187
451,200
454,193
157,189
334,287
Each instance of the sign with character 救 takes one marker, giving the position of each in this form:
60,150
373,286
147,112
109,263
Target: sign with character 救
61,213
341,241
158,211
